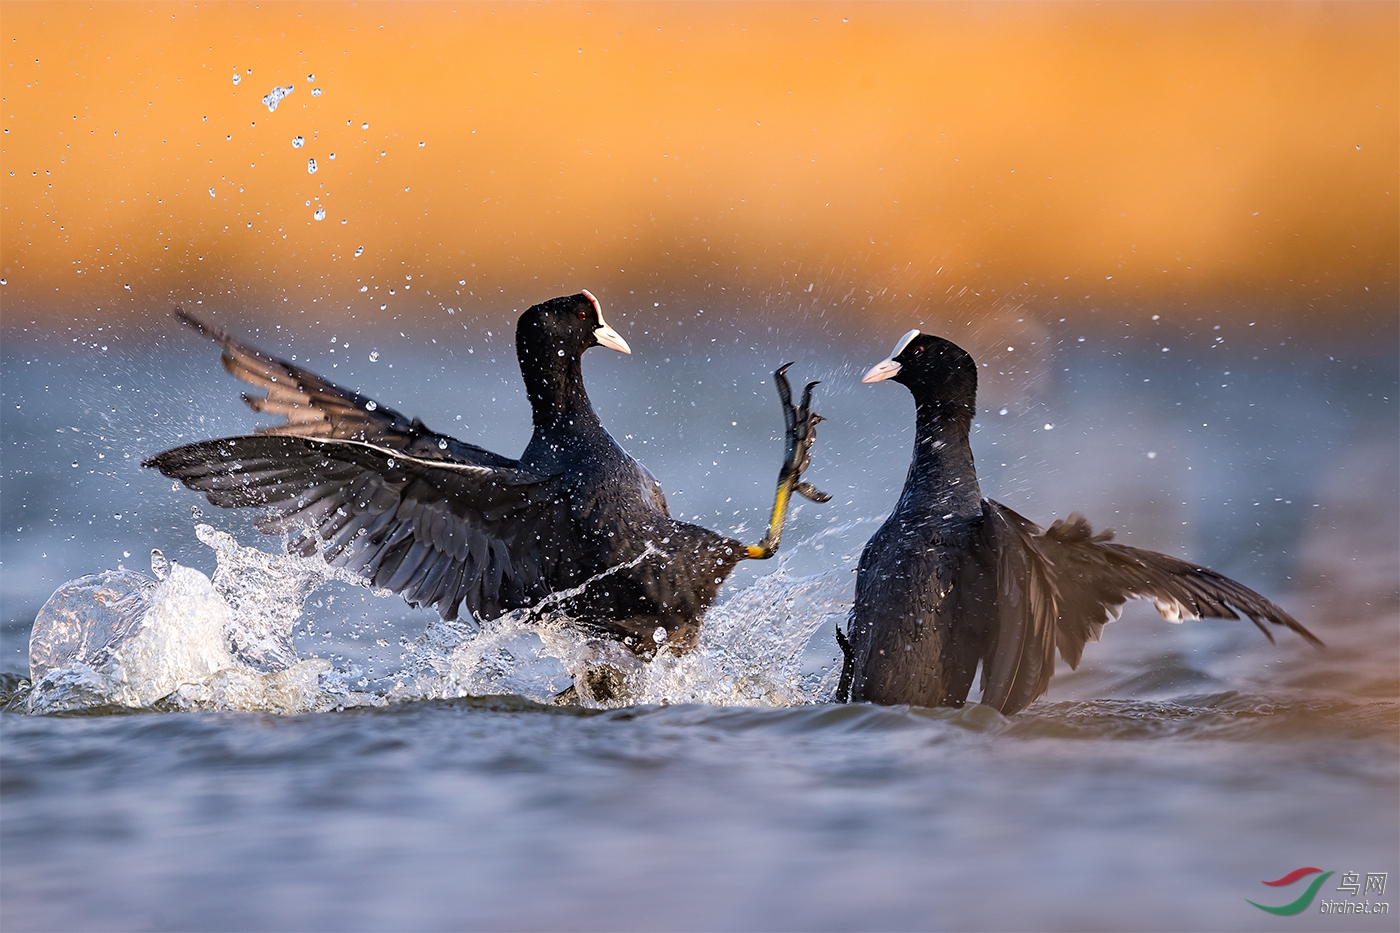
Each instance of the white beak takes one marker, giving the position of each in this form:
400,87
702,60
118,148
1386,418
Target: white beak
605,335
881,371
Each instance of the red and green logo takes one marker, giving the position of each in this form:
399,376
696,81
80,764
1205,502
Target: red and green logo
1305,899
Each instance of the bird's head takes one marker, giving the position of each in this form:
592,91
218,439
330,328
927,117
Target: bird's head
935,370
565,327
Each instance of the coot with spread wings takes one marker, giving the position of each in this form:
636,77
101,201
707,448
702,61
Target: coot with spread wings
952,580
466,531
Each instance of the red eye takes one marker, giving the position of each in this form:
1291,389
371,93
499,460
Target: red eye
918,350
582,315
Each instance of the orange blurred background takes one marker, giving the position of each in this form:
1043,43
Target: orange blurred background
1070,157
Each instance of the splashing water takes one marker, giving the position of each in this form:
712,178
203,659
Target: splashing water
755,649
186,641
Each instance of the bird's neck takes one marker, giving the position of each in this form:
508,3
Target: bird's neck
942,477
558,400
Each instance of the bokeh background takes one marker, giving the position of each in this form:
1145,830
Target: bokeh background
899,157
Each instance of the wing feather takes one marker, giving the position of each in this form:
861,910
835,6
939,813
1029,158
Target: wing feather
1020,656
315,407
444,534
1095,577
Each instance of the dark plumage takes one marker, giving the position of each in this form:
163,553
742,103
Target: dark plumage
952,579
464,530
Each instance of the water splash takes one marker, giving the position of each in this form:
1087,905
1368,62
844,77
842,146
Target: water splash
186,641
757,648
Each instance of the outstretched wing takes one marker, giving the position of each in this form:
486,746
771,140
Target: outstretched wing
316,407
1020,655
1094,577
1058,588
442,534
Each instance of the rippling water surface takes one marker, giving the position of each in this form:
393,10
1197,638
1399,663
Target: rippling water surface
353,764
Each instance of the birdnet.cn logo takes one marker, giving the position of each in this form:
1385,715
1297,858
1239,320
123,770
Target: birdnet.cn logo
1356,891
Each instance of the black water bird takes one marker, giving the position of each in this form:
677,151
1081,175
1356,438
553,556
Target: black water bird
952,580
454,526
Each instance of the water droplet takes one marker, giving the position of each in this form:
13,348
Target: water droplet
421,145
391,463
315,92
274,96
160,564
310,78
332,156
1049,426
311,166
371,405
364,288
320,213
1152,455
75,464
442,445
364,126
359,251
1002,412
127,287
196,513
212,194
7,282
237,78
298,142
374,358
659,636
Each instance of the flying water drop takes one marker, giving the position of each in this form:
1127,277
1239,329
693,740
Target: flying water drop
298,142
274,96
311,166
320,213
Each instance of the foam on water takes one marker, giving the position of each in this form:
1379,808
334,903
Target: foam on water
120,639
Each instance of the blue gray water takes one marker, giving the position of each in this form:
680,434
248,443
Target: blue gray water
1154,788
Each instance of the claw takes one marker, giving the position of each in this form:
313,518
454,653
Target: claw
800,423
